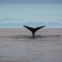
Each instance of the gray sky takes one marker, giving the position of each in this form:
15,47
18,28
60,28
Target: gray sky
30,1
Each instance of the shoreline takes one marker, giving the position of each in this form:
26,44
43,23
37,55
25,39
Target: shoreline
24,31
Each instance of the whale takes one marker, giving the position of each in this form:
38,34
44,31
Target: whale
33,30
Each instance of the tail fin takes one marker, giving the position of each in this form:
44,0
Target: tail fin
33,30
30,28
37,28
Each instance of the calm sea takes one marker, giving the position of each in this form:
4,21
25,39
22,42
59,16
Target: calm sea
15,15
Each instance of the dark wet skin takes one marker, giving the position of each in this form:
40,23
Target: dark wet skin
33,30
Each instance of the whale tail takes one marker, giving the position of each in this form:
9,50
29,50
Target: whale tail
37,28
33,30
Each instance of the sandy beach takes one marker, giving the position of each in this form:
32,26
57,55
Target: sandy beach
17,45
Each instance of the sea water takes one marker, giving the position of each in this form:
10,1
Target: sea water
16,15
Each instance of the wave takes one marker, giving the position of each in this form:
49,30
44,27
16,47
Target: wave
11,22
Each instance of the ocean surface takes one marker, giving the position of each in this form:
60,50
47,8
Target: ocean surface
15,15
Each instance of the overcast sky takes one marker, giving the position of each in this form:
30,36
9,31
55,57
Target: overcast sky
1,1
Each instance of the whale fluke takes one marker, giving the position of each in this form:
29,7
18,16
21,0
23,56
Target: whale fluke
33,30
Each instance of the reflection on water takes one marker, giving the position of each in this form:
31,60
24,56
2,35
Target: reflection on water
29,38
